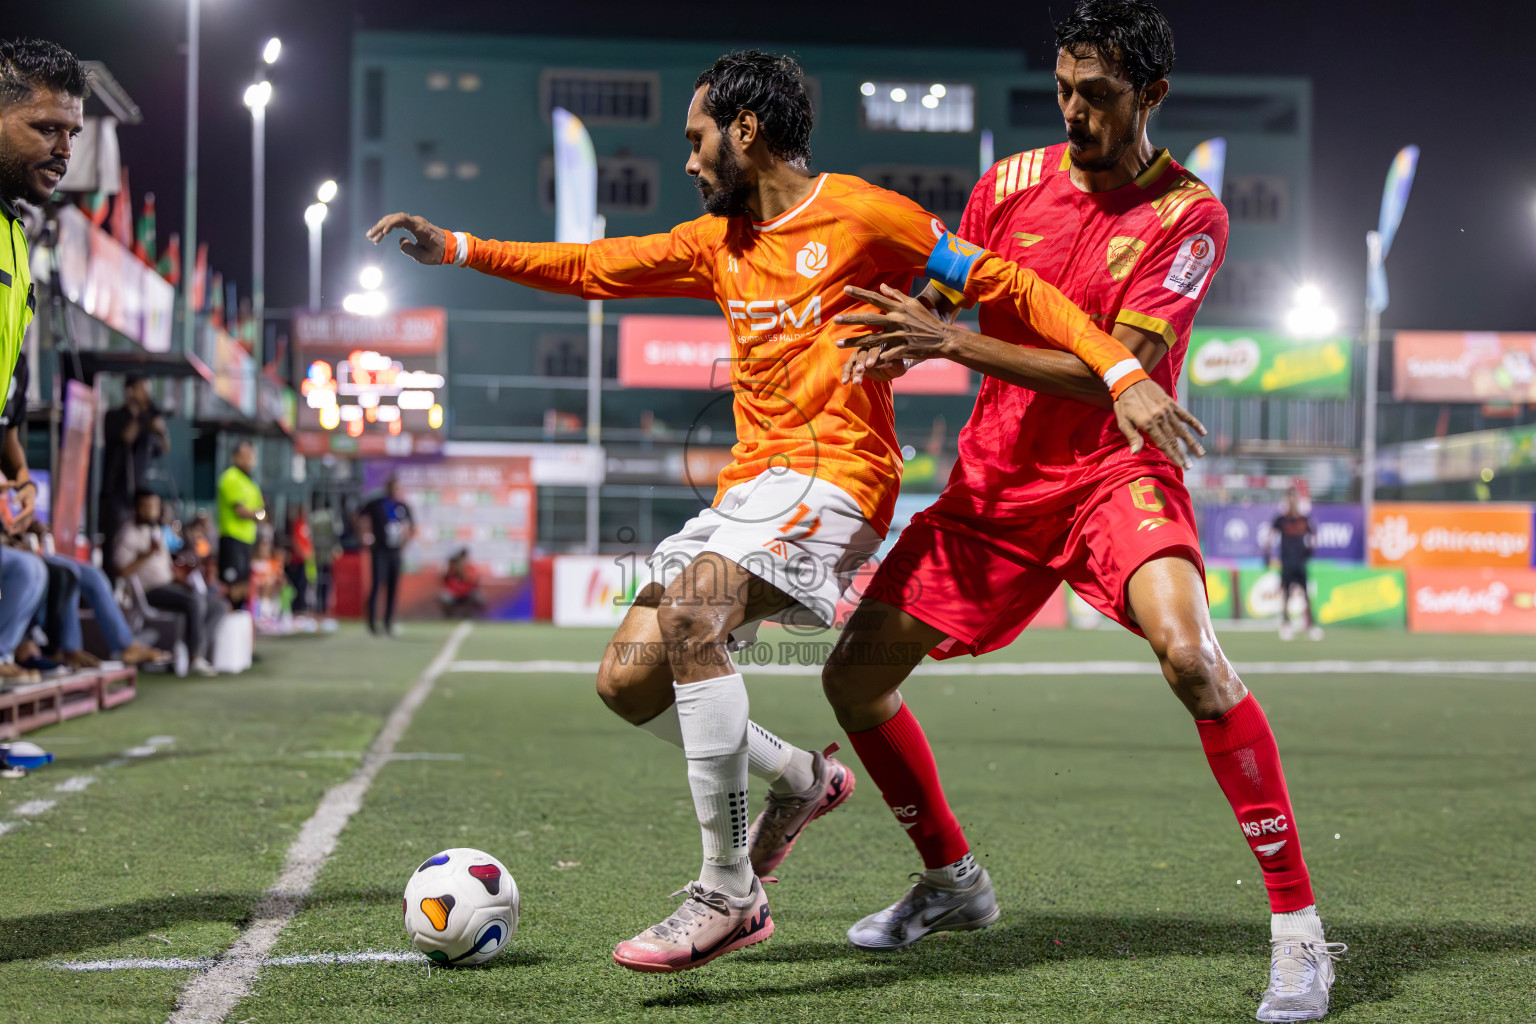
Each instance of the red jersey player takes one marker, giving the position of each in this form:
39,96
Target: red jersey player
816,464
1045,489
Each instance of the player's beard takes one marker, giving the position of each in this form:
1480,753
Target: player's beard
728,196
1110,153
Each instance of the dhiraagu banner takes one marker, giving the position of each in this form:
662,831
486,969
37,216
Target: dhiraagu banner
1254,363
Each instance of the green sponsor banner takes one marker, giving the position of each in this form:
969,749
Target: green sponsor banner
1218,591
1249,363
1341,595
1359,597
1259,591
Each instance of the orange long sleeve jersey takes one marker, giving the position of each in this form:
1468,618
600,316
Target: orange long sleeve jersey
779,285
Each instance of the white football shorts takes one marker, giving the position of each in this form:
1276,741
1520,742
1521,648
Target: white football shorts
803,535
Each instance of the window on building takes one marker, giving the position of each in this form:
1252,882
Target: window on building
940,190
1257,198
373,104
624,184
1033,108
919,106
602,97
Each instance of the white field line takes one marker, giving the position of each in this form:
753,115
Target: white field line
367,956
78,783
208,998
1067,668
32,808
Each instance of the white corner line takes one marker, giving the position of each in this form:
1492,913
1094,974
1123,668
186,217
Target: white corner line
209,997
179,963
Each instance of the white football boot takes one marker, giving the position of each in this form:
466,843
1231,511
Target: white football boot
927,907
1300,975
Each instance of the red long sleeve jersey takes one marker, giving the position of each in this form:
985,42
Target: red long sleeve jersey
779,285
1142,254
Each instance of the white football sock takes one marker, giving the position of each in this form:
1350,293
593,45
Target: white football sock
712,717
958,875
785,767
1298,922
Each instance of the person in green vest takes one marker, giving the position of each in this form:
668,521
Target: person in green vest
42,87
240,508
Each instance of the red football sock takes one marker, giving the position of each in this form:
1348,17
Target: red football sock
1241,750
898,758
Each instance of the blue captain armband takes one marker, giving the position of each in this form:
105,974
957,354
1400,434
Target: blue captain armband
949,266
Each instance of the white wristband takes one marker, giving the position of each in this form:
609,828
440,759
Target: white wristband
1113,375
461,249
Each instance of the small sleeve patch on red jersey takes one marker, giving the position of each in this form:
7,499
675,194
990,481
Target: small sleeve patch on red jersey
1192,266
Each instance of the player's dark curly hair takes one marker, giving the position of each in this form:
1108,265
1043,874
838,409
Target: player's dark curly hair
26,64
1131,33
773,88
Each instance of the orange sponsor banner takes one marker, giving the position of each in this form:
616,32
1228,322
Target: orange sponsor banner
1470,366
1411,534
1472,601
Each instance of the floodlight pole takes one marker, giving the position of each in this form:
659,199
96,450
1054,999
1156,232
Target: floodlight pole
259,226
189,230
594,395
1372,372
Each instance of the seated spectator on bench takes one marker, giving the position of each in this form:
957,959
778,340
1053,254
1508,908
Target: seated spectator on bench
460,596
140,553
94,587
23,588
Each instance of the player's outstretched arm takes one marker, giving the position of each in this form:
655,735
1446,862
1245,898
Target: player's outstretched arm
649,266
910,331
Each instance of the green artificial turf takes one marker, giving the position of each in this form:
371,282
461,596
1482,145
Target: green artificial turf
1116,859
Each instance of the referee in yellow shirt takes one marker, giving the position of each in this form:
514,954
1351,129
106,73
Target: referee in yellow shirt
42,87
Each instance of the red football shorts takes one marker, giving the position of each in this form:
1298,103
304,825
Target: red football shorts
981,579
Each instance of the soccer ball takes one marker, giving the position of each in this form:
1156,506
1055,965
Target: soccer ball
461,907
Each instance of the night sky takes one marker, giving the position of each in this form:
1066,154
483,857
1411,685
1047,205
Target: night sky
1453,78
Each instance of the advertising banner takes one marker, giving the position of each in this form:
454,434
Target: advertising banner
592,590
1219,590
1358,597
1472,601
97,272
1458,366
404,332
484,506
1451,534
693,353
75,463
1225,362
1246,531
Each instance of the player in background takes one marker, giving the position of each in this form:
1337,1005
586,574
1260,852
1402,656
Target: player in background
1296,541
1046,490
816,464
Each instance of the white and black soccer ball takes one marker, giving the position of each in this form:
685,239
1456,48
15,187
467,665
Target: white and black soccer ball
461,907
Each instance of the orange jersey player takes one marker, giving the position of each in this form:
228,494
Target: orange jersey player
816,465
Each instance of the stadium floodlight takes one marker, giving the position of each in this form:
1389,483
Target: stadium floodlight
270,52
370,278
365,303
899,95
930,101
868,88
1310,316
327,191
937,89
257,96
